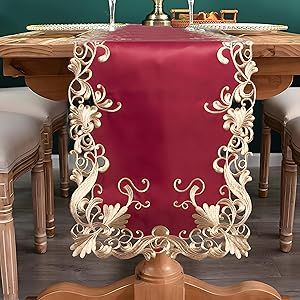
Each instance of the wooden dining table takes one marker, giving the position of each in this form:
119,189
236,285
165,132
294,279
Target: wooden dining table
42,58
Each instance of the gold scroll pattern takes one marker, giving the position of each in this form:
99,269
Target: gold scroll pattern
101,228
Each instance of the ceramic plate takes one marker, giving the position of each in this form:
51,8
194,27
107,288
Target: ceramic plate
241,28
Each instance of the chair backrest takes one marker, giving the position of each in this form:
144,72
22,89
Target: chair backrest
163,166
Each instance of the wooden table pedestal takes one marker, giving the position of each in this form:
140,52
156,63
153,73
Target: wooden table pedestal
161,278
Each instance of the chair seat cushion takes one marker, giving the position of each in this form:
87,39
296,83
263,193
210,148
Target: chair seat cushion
23,100
285,106
20,136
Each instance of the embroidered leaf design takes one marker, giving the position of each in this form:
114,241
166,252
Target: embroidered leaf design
217,252
77,176
237,245
103,250
239,121
115,215
207,216
75,66
84,244
120,222
85,118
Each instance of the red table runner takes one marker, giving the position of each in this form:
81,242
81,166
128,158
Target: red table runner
184,117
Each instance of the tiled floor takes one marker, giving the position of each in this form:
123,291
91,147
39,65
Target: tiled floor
265,263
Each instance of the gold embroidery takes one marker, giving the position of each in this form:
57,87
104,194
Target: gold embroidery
93,222
194,190
220,228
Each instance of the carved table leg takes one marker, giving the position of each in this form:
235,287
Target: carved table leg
8,259
288,197
48,143
39,204
264,160
63,161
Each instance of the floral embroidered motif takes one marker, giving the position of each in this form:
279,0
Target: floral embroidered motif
220,229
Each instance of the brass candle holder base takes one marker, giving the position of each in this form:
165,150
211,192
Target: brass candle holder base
158,17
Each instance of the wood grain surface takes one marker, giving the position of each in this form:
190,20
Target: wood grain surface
42,58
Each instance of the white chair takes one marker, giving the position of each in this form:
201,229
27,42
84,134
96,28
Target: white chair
53,116
21,150
278,112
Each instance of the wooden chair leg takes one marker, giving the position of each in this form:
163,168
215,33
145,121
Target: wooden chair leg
8,257
39,205
288,198
264,161
49,183
63,161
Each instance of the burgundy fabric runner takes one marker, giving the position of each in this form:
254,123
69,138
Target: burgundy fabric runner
163,78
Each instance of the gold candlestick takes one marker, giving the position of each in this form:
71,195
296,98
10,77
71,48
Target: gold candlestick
158,17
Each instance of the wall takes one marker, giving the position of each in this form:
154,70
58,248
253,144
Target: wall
16,14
